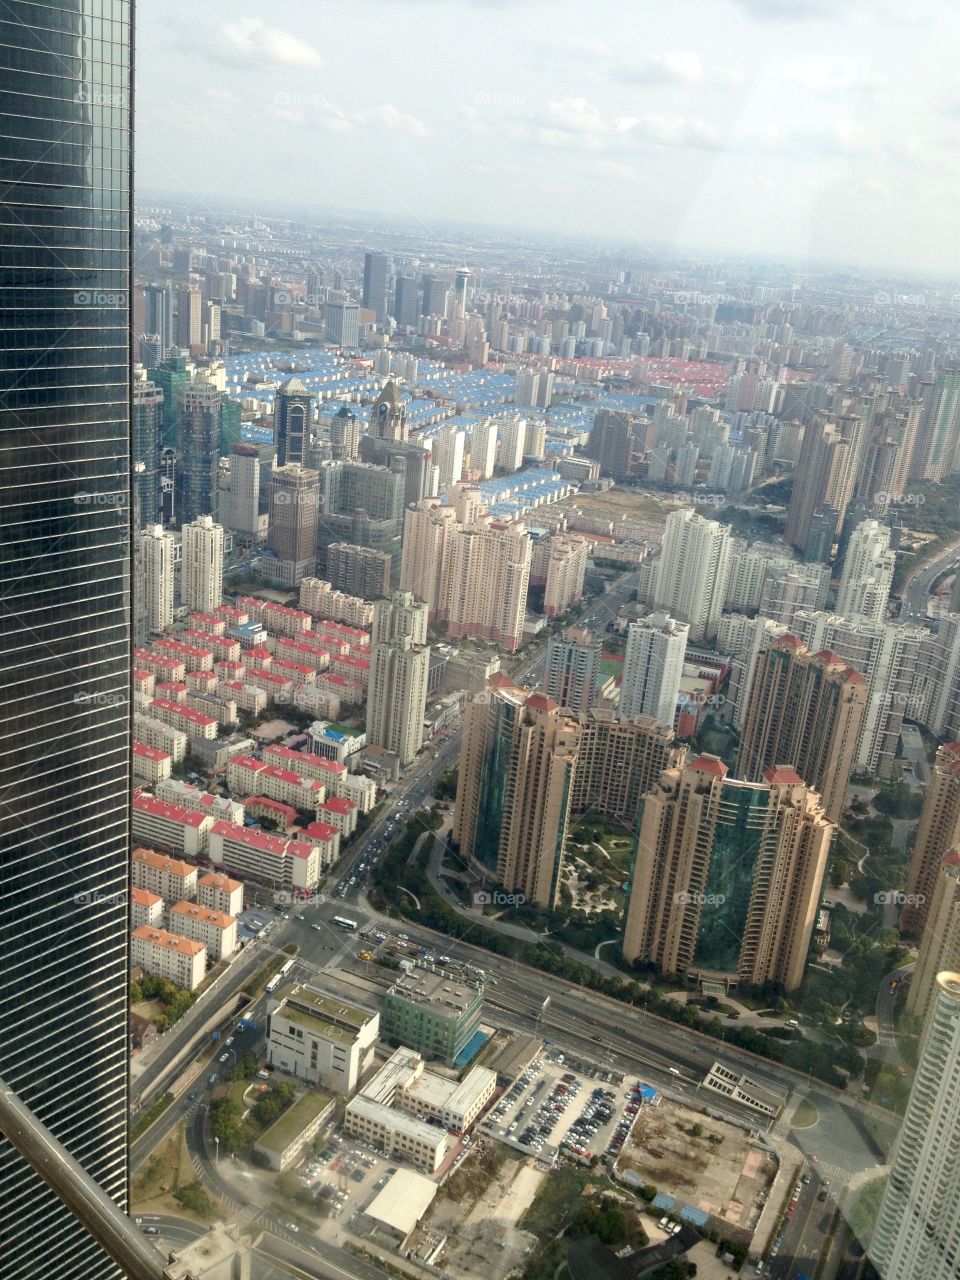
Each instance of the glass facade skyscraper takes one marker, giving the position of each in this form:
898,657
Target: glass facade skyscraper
65,510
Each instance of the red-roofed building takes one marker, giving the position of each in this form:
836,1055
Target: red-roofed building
145,908
709,764
182,962
208,623
247,697
143,681
355,669
150,764
269,859
163,666
169,827
325,836
194,657
168,877
171,691
298,672
233,617
201,682
781,775
193,723
277,688
280,620
309,652
221,893
304,764
224,648
284,815
340,813
263,778
216,930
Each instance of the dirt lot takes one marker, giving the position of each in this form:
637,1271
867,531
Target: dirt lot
273,729
479,1215
703,1162
164,1171
618,504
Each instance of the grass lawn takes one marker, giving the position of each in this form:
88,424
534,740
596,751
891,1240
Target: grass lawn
805,1115
559,1192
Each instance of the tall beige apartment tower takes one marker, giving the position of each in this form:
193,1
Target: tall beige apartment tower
201,568
514,790
428,532
823,483
727,876
485,582
917,1236
937,833
157,556
940,941
805,710
399,668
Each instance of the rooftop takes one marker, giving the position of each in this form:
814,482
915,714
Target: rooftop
400,1121
434,988
170,941
160,862
223,883
219,919
170,812
288,1127
403,1201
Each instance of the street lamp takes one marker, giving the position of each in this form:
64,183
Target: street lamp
217,1141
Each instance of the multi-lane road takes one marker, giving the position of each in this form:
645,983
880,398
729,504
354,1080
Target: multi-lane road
916,591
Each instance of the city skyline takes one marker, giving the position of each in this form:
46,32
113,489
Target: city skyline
742,126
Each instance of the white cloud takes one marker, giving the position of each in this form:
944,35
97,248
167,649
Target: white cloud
665,130
684,67
395,121
249,42
832,74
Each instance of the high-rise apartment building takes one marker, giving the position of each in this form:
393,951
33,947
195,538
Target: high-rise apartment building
358,571
485,580
566,560
65,507
156,586
690,578
940,940
938,431
937,833
292,415
292,531
514,789
805,710
917,1236
362,504
886,655
147,432
201,570
428,533
189,303
571,674
823,484
376,269
345,436
244,506
727,875
653,667
483,448
435,293
198,451
619,761
867,577
612,440
399,667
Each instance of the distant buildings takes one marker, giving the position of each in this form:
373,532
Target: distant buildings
376,268
358,571
400,662
868,565
937,833
198,451
691,574
342,324
728,875
294,513
917,1234
293,408
823,484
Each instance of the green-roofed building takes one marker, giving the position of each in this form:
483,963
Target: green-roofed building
320,1038
286,1138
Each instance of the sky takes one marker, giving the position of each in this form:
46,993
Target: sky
808,129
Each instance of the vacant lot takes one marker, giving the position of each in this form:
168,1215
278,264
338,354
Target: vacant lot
622,504
701,1161
479,1210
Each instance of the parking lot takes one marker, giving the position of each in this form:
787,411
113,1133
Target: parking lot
344,1176
551,1110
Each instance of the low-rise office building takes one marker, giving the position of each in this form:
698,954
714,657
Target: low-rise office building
399,1135
285,1140
432,1012
320,1038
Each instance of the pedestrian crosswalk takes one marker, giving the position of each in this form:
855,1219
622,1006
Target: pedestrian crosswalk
827,1169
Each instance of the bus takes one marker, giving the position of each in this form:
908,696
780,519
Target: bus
278,977
343,923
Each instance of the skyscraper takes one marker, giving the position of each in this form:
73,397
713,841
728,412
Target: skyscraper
937,833
514,788
201,569
147,430
805,710
291,421
727,875
690,578
612,441
653,667
159,315
198,451
244,514
867,576
65,514
434,301
939,428
156,586
823,484
388,416
189,302
400,663
572,669
341,322
292,531
405,305
917,1236
375,270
